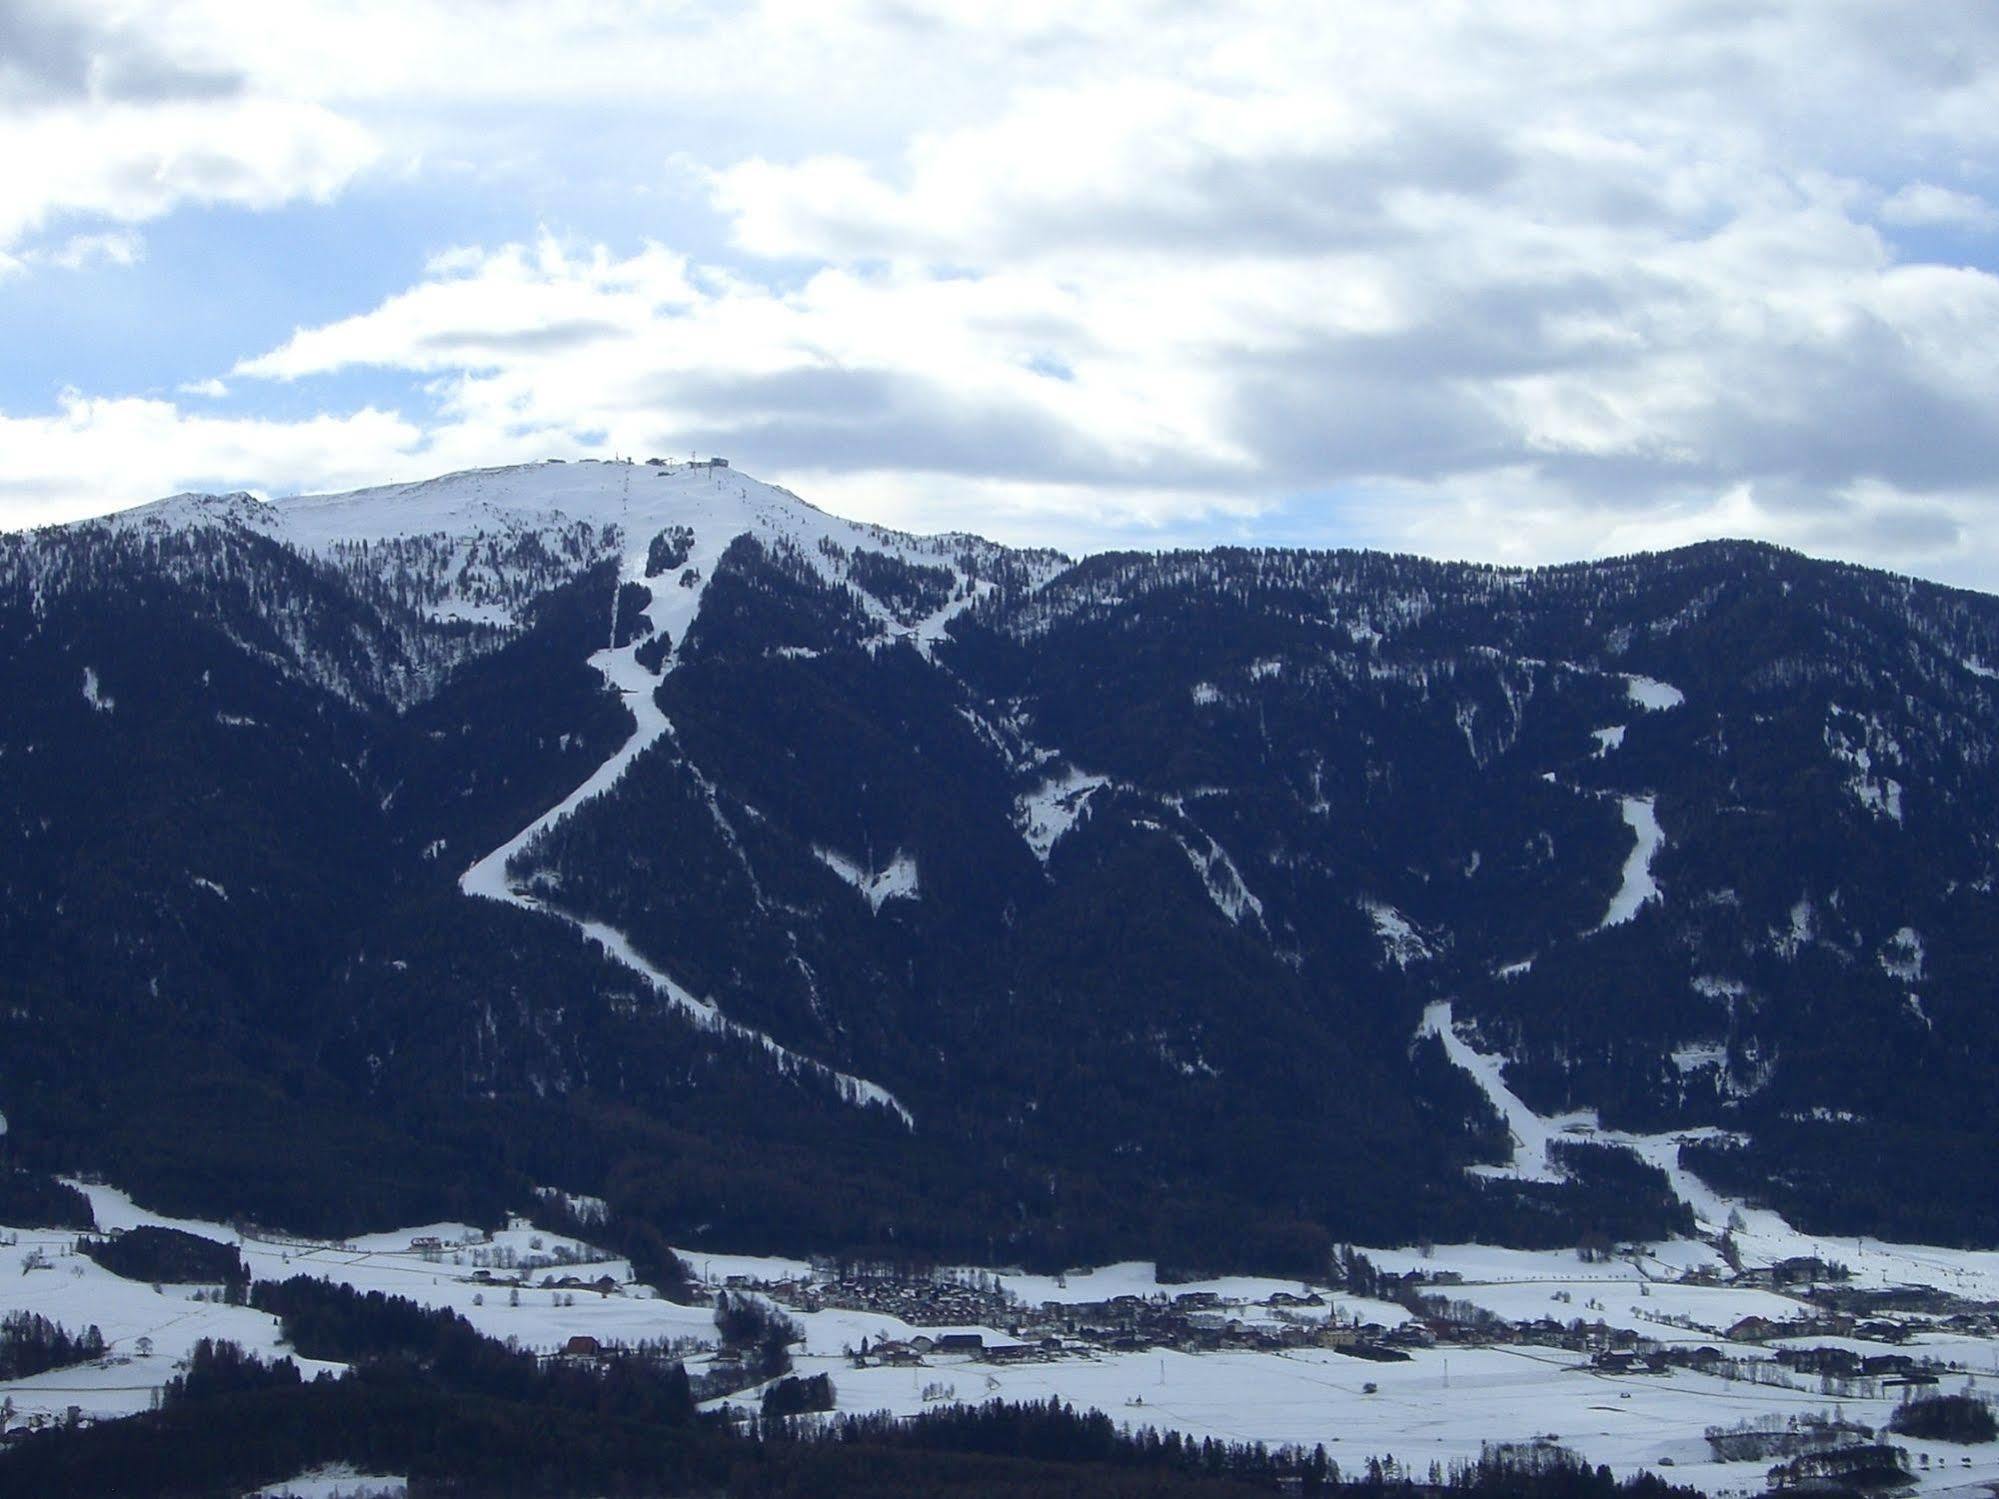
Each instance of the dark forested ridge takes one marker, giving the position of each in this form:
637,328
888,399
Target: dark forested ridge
1129,880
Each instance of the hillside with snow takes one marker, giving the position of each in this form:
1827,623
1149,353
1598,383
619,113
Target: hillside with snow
709,847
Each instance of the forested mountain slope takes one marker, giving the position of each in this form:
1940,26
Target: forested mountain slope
798,884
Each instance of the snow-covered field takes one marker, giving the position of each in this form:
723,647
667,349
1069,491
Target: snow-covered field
335,1482
1442,1404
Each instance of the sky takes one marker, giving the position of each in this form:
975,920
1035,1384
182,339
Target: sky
1504,279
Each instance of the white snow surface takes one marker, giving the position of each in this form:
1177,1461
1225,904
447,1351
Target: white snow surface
1699,1054
93,692
335,1481
1762,1237
895,880
1401,943
1641,816
1607,740
1531,1133
639,500
1219,876
1903,955
1859,740
1046,813
1652,695
1443,1404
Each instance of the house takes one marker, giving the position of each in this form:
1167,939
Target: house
1754,1330
1882,1332
582,1345
959,1342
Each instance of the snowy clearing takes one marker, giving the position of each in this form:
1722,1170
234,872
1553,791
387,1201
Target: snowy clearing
1652,695
1045,814
337,1481
894,881
1638,885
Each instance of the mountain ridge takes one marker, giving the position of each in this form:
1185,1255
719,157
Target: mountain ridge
1094,870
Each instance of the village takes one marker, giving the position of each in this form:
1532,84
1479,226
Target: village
1640,1357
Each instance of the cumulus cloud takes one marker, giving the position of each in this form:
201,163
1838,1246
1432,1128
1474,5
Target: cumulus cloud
1533,279
132,162
53,52
1924,203
102,120
92,456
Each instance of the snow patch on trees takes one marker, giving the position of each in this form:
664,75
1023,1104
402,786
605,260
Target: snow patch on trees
1045,814
1699,1055
1862,742
93,692
334,1481
1803,929
1401,943
1902,956
896,880
1220,877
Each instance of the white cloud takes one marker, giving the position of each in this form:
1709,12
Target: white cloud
129,162
93,456
1550,278
80,251
1924,203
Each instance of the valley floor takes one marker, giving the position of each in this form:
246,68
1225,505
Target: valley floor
1435,1403
1443,1403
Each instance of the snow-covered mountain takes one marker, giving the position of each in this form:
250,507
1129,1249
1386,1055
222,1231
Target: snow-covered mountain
643,828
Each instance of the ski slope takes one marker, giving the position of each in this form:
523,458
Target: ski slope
691,498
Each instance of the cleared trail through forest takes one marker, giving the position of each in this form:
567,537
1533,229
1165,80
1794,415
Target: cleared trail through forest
672,610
